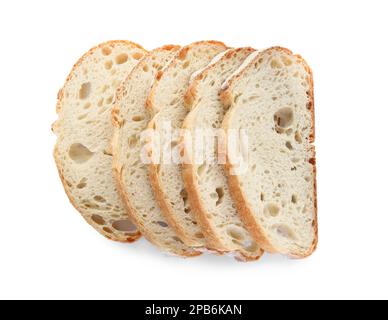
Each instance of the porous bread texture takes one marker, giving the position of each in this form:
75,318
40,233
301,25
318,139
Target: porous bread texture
166,100
206,182
272,99
130,118
84,131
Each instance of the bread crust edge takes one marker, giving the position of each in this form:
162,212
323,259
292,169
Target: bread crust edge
244,209
155,182
189,174
117,170
84,214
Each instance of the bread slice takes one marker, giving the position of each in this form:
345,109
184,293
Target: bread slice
272,99
84,131
130,118
167,100
206,181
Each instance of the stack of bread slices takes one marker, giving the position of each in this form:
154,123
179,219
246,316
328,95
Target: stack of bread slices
135,161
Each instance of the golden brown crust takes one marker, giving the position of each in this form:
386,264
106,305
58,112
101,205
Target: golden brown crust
83,212
244,209
117,169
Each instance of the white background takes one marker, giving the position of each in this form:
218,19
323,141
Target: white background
48,251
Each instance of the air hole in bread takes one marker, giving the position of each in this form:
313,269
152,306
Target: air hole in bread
235,233
100,102
284,118
162,224
145,68
107,153
85,90
220,195
104,88
79,153
276,64
289,145
82,184
286,61
132,141
98,219
137,55
124,226
184,197
199,235
236,97
284,231
294,199
262,197
91,205
102,110
156,66
121,58
106,51
109,100
87,105
107,230
251,246
181,152
115,85
298,137
201,170
108,65
137,118
174,102
82,116
271,210
99,199
186,65
177,240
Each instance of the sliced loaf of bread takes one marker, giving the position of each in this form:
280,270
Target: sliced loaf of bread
272,99
130,118
84,131
166,99
206,181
